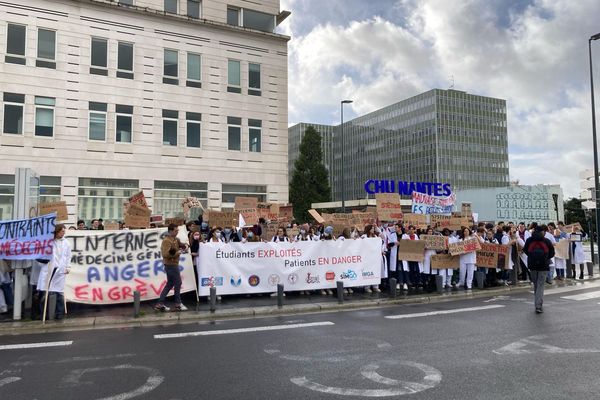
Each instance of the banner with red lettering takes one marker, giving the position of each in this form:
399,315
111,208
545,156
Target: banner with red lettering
27,239
239,268
108,266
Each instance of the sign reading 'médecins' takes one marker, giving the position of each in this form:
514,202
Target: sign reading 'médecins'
27,239
238,268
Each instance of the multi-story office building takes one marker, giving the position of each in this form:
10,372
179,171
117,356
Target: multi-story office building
446,136
176,98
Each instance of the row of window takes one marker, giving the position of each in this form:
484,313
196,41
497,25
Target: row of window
46,58
14,105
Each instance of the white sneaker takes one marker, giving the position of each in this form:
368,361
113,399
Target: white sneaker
405,287
323,293
345,291
329,292
377,290
368,290
180,307
274,294
350,291
397,286
218,298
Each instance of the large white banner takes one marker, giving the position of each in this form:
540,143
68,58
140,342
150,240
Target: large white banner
258,267
108,266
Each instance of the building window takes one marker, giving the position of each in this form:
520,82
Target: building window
233,76
97,125
104,198
170,127
125,60
258,20
193,129
126,2
124,123
13,113
7,196
170,70
171,6
233,16
44,116
254,133
99,57
50,188
194,70
234,133
193,9
15,44
254,79
46,51
229,192
168,196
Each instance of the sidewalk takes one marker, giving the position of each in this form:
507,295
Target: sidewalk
85,317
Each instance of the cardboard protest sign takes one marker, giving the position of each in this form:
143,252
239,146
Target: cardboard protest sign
139,199
315,214
388,206
434,242
221,218
562,249
111,226
140,211
419,221
27,239
569,228
575,237
245,203
176,221
107,267
286,213
441,222
250,215
270,231
270,212
411,250
445,261
492,255
465,246
465,208
59,207
137,221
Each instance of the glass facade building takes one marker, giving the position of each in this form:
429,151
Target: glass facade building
446,136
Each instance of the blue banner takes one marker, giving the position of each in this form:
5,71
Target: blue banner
27,239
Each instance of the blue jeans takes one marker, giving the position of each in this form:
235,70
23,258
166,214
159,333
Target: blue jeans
173,281
8,293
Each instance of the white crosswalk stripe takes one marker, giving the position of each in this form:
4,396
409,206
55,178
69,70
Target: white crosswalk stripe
583,296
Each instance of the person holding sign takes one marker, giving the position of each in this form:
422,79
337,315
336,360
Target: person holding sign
52,278
467,260
427,276
414,268
577,254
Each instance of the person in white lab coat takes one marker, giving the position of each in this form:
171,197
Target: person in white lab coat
467,260
577,253
53,276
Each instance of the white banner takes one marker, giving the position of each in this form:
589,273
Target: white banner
108,266
426,204
258,267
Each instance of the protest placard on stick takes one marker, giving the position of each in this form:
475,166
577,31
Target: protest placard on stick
434,242
388,206
315,214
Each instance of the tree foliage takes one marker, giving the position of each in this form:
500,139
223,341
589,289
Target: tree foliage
310,182
574,213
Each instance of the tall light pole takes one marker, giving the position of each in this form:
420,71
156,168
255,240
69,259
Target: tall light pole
596,180
343,164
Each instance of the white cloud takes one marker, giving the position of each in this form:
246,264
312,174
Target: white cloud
536,59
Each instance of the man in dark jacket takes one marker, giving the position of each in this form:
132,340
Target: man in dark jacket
539,252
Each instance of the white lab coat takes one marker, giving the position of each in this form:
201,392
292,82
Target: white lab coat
392,238
471,257
506,240
61,259
578,255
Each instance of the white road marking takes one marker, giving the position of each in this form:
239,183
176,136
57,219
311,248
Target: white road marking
74,359
153,381
10,379
581,286
583,296
242,330
35,345
457,310
532,345
432,378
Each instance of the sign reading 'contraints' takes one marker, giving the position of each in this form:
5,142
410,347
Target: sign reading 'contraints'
27,239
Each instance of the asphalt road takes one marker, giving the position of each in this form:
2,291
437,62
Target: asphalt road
452,350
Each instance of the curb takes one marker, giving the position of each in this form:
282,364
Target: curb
105,322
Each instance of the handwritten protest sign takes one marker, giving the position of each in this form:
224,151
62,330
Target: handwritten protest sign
388,206
250,215
441,222
270,212
137,221
465,246
245,203
427,204
434,242
140,211
562,249
465,208
59,207
315,214
138,198
221,218
286,213
411,250
111,226
176,221
27,239
445,261
492,255
107,267
419,221
569,228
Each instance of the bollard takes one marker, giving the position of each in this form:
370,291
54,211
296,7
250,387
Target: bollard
393,290
279,295
213,299
590,268
439,284
340,291
479,279
51,306
136,304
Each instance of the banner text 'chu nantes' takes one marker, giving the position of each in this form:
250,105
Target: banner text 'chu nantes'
404,188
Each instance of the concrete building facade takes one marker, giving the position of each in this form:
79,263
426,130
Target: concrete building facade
176,98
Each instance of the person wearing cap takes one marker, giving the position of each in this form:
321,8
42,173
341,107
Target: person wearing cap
171,251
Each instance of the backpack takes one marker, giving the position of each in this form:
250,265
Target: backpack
538,254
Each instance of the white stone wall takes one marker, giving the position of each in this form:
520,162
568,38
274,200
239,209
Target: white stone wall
71,155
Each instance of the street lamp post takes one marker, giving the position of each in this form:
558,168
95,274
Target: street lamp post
342,166
596,180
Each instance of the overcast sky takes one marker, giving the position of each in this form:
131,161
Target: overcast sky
534,54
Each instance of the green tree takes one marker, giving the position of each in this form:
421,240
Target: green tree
310,182
574,212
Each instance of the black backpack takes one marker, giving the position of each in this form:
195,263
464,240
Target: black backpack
538,254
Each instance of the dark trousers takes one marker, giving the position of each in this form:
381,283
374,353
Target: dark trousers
414,274
402,275
59,311
173,281
525,275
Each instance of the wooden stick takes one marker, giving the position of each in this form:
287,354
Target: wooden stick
50,275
